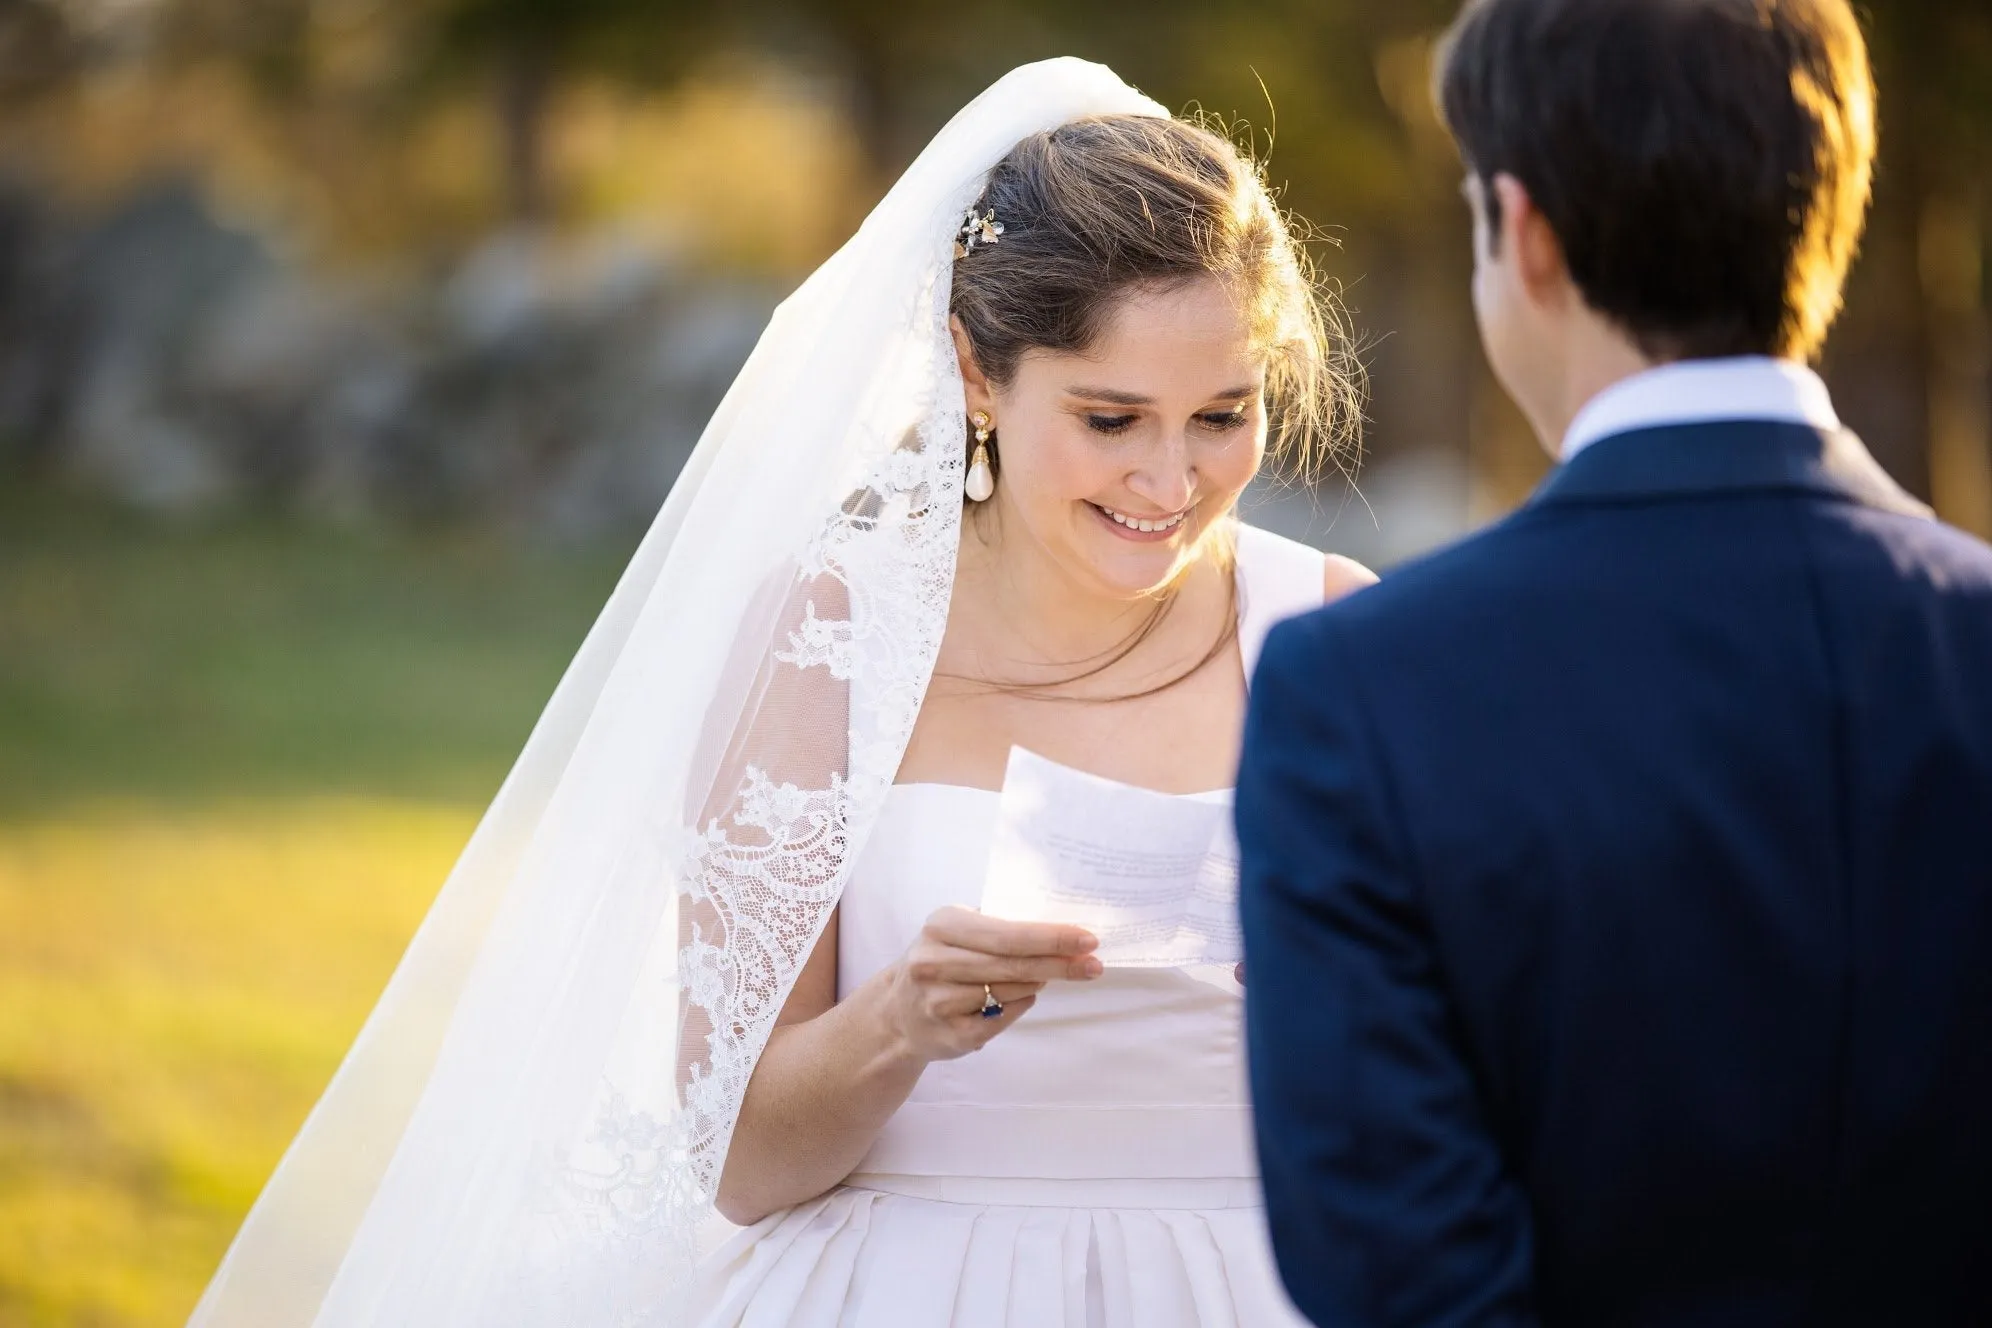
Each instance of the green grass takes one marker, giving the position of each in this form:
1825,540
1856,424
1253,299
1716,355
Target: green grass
145,659
235,764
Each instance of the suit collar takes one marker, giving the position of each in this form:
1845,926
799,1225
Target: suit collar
1737,456
1742,387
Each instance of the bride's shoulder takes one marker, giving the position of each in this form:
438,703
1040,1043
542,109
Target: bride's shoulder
1264,556
1343,576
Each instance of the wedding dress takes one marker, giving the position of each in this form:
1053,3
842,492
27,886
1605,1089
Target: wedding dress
1092,1167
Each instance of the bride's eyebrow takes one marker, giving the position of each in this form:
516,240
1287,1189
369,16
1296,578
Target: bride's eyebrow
1113,397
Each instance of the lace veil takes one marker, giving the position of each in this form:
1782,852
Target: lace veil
530,1127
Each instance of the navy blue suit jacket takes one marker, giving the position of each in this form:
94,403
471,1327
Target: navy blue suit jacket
1617,890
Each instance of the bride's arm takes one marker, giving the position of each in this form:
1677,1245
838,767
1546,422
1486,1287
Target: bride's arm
834,1071
828,1079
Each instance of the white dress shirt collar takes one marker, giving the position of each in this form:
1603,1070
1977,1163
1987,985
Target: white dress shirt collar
1746,387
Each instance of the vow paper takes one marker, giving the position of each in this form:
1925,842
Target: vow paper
1154,876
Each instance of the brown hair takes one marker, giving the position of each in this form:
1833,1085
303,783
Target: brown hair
1705,164
1100,207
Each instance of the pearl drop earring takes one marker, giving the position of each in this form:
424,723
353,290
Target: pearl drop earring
981,477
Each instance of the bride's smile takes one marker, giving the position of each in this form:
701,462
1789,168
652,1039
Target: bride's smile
1136,527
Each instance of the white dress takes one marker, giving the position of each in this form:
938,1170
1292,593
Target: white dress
1092,1167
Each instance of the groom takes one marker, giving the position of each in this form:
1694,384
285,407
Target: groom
1618,884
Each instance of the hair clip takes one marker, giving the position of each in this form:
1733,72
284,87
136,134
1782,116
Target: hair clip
984,229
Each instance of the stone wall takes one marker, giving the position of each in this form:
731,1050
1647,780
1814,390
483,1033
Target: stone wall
165,358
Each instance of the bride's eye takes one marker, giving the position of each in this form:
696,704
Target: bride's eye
1109,424
1222,420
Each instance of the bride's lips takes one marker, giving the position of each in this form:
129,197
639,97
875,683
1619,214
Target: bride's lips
1177,522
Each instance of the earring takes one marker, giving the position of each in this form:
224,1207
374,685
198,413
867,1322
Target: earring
981,477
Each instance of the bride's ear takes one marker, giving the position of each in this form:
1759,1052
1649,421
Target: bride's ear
975,384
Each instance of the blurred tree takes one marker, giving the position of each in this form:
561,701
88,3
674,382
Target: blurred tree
1937,63
528,46
890,57
40,49
1916,351
269,40
522,50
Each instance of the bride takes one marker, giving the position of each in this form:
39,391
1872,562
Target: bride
714,947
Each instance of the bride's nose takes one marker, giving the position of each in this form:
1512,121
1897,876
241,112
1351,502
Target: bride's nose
1167,477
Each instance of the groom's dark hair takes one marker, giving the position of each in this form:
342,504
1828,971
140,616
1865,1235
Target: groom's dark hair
1705,164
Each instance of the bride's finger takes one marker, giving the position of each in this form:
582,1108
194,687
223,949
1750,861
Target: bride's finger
1006,994
951,1000
970,930
947,963
974,1029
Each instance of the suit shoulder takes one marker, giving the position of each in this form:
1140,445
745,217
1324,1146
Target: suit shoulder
1468,569
1918,550
1406,594
1413,612
1958,554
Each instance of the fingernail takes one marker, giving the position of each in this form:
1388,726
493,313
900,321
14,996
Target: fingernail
1088,942
1091,968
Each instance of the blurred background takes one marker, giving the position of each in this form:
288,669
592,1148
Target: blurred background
346,346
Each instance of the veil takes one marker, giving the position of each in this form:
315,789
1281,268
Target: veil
530,1128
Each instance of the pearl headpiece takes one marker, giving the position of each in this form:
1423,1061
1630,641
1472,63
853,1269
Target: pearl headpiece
977,229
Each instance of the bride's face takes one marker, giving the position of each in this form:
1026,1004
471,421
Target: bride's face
1160,424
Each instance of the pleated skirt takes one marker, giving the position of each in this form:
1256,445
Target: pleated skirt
912,1252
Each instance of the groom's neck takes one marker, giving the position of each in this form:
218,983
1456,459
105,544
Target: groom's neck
1590,356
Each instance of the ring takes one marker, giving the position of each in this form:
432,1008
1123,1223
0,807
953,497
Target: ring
991,1007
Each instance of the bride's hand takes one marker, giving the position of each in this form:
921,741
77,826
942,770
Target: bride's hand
935,995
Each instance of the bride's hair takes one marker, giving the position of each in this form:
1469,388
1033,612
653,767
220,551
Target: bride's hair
1103,206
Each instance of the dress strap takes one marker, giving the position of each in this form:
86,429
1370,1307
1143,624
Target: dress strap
1277,578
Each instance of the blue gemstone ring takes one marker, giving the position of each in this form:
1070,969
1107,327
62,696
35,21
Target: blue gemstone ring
991,1007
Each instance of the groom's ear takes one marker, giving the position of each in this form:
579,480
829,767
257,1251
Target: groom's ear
975,383
1523,238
